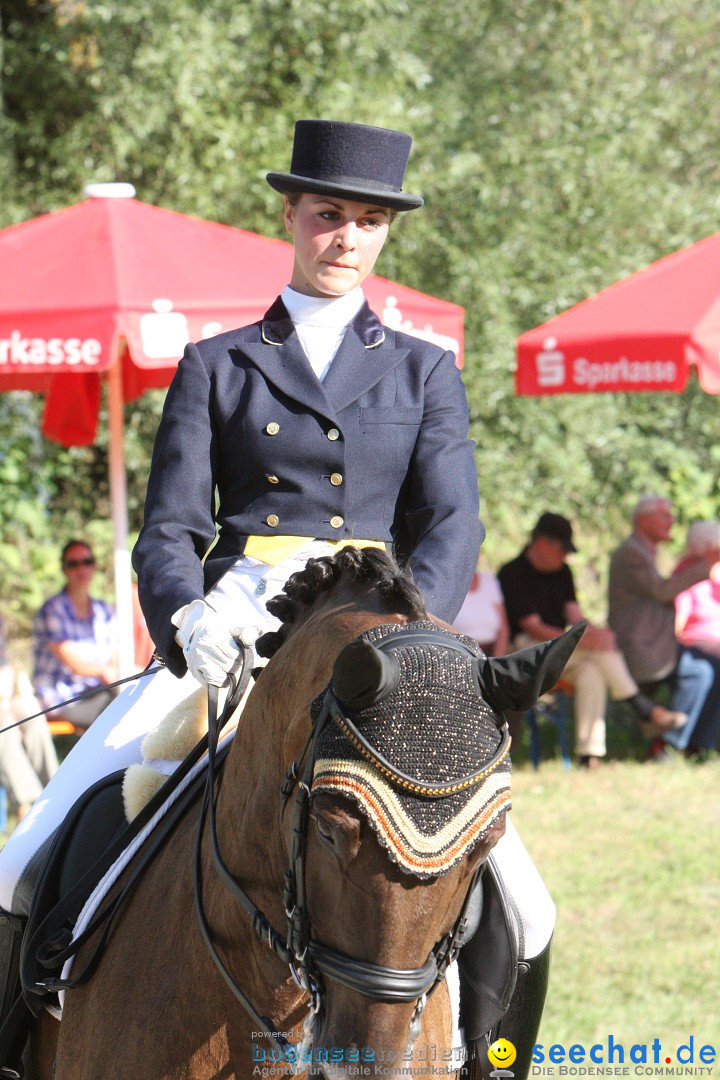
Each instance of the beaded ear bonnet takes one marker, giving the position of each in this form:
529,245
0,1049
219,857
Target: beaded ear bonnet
445,776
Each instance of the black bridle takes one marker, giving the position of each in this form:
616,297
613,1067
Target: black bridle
310,960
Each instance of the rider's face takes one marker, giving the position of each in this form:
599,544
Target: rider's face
337,242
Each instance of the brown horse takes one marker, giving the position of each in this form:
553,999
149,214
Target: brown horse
157,1007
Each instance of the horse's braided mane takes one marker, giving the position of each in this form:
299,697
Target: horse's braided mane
370,565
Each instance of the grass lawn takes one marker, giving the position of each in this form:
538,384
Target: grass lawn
631,855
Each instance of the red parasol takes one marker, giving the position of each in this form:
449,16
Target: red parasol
113,288
642,333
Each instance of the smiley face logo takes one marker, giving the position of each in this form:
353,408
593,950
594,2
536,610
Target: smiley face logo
502,1053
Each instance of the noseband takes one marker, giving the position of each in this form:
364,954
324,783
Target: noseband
310,960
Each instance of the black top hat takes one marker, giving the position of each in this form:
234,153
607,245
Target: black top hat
352,161
556,527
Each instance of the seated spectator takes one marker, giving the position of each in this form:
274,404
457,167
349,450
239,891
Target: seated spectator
27,753
75,642
540,599
697,609
483,616
642,614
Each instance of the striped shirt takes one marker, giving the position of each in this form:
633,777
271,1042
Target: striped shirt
94,639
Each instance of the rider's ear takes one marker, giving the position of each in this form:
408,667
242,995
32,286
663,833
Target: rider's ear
515,682
363,675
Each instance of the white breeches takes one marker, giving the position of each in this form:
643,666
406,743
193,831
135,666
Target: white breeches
523,882
114,739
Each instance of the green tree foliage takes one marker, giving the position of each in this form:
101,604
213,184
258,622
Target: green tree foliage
578,152
6,160
560,146
192,100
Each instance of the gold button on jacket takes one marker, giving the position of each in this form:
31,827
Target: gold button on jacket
272,428
273,480
336,479
333,434
273,520
337,522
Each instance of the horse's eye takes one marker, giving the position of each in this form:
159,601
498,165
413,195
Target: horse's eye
325,830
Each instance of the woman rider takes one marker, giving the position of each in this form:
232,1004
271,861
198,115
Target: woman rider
312,428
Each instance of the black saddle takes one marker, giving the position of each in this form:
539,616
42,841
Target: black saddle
92,837
72,867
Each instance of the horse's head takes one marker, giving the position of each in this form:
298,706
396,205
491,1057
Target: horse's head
410,780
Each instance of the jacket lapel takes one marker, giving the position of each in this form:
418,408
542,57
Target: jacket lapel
366,354
364,357
282,360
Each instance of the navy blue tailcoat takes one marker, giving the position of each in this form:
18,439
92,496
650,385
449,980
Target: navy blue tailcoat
252,443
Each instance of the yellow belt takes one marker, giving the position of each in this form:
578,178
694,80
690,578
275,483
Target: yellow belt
275,549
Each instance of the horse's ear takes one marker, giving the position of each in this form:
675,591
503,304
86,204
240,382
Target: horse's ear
363,675
515,682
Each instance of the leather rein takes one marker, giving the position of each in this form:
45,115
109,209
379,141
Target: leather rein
308,959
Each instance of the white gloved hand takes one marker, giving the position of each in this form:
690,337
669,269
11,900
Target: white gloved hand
208,644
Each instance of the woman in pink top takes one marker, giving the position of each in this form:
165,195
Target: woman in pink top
697,610
483,615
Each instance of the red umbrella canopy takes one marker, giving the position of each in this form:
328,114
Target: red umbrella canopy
116,280
643,333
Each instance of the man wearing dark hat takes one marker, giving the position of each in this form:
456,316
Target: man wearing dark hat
541,603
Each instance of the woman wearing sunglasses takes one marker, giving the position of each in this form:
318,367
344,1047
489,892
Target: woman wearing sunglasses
75,641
